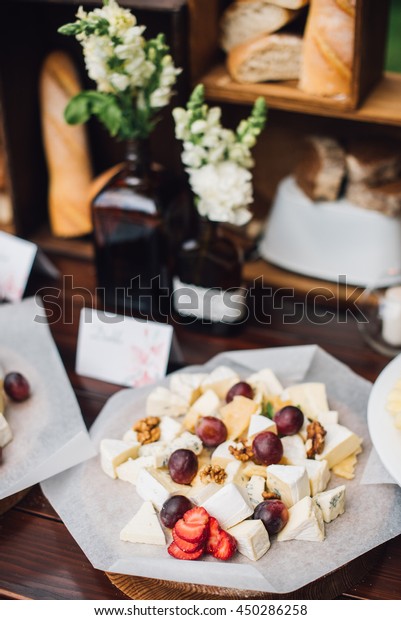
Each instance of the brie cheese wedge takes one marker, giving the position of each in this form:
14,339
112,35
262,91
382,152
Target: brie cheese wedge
130,436
294,449
266,381
129,470
252,538
230,505
222,455
290,482
235,473
205,405
113,452
201,493
144,527
318,474
169,429
220,380
327,417
163,402
156,486
5,432
305,522
331,503
259,423
255,487
310,397
187,386
339,443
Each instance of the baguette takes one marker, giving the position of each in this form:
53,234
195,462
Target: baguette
286,4
66,150
373,161
328,54
321,170
269,57
244,21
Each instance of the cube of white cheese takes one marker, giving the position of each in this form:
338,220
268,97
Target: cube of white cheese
310,397
5,432
130,436
230,505
222,455
235,473
156,486
252,538
328,417
206,405
150,449
201,493
266,381
169,429
339,443
113,452
255,487
318,474
188,441
290,482
220,380
294,449
144,527
187,385
305,522
259,423
163,402
129,470
331,503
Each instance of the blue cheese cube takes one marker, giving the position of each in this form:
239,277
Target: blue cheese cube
252,538
255,487
331,503
290,482
305,522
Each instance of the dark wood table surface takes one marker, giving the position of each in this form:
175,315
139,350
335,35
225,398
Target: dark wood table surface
39,559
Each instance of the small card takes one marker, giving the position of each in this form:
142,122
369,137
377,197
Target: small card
16,260
122,350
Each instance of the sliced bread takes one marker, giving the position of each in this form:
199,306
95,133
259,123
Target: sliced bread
321,170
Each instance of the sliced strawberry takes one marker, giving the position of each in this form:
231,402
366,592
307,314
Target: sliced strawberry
191,532
214,535
197,515
177,553
226,546
188,547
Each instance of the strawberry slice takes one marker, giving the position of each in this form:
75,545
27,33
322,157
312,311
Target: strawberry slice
188,547
214,535
196,516
226,546
191,532
177,553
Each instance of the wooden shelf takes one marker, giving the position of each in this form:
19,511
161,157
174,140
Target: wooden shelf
382,106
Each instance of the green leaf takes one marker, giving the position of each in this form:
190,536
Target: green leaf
70,29
78,109
268,410
111,116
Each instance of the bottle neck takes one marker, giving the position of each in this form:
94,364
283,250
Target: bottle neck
137,156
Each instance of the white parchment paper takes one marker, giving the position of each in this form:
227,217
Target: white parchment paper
95,508
49,434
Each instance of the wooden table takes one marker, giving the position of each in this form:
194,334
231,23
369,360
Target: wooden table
38,557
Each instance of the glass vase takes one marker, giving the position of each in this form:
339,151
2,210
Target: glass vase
131,245
208,287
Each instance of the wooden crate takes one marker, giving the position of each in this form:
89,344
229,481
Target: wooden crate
22,51
369,55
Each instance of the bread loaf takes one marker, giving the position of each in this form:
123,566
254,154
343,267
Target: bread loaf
243,21
373,161
286,4
66,150
321,170
269,57
328,52
384,198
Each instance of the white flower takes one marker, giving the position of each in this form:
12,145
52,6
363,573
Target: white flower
198,126
224,191
194,155
119,81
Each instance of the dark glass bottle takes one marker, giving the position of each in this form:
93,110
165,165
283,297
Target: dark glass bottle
131,239
208,288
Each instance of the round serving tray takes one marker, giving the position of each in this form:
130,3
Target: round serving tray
328,587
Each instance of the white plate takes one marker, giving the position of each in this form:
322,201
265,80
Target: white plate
386,438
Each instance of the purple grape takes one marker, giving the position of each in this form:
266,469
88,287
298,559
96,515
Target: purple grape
211,431
289,420
16,387
267,448
183,466
273,513
174,509
242,388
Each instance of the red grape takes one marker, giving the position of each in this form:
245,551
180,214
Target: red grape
273,513
174,509
211,431
267,448
239,389
289,420
183,466
16,386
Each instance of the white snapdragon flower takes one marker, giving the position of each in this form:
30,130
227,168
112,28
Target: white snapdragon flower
240,153
224,191
194,155
181,118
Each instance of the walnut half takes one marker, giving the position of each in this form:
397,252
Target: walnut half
213,473
147,430
315,441
242,452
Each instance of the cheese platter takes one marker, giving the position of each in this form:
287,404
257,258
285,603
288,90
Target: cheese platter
101,506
